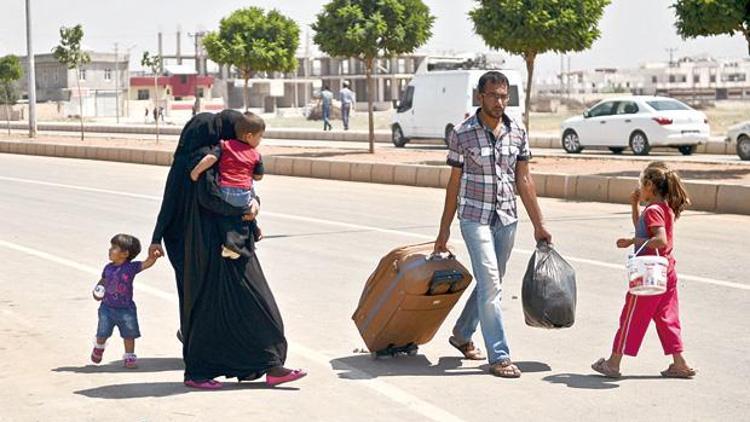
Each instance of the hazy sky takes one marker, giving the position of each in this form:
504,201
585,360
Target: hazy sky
633,31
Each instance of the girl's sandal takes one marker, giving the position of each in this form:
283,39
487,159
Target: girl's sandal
684,373
603,368
505,369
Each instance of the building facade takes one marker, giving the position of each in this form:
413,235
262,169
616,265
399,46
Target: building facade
693,79
103,82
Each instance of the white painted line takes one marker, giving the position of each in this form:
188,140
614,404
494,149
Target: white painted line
699,279
392,392
96,273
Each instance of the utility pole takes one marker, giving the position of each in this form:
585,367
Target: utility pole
117,87
32,73
671,52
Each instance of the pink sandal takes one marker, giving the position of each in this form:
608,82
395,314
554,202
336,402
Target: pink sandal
203,384
293,375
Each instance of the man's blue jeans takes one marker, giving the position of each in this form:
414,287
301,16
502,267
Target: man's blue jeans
489,249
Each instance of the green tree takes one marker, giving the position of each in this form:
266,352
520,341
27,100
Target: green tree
10,71
700,18
254,41
70,54
153,63
533,27
368,29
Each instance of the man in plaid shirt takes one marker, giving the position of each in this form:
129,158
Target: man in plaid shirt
489,153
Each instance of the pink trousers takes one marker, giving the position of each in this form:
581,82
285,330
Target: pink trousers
638,313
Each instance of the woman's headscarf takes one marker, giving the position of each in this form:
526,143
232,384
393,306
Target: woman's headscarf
206,130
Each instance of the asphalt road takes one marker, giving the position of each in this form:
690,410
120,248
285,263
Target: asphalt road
323,240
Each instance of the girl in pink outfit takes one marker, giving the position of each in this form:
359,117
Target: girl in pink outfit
665,197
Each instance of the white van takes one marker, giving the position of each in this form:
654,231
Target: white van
435,101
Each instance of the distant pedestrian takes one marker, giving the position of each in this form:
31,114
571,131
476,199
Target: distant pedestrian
326,100
161,113
145,119
347,103
156,114
665,197
115,291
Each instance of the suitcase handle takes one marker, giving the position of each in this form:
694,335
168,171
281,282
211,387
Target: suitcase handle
440,255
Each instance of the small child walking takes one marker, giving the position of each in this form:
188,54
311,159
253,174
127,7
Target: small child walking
117,308
240,165
665,197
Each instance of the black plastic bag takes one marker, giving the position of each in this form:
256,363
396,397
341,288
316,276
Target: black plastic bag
549,290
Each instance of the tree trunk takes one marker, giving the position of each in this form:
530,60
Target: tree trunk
156,104
80,98
529,58
246,93
7,106
370,93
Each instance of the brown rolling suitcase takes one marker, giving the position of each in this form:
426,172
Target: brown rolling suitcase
407,298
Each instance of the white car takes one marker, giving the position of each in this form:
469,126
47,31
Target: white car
740,133
638,122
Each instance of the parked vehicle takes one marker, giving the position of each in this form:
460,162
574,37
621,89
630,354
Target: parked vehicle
436,101
639,123
740,133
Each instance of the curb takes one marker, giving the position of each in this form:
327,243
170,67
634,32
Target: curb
705,196
381,136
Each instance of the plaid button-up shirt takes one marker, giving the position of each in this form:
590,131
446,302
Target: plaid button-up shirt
489,168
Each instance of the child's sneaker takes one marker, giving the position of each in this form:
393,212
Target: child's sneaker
228,253
130,361
96,354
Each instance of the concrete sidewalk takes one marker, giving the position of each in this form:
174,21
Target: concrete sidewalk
706,196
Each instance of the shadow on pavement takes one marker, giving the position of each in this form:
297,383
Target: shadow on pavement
594,382
363,366
144,365
165,389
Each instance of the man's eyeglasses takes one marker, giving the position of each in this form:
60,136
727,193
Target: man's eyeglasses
495,97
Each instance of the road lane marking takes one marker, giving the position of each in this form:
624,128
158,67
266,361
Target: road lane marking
364,379
593,262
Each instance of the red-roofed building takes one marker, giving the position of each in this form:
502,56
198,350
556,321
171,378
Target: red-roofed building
179,83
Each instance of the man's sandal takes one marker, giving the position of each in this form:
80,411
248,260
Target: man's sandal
505,369
467,349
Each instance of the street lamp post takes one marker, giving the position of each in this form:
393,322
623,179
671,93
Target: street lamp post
31,71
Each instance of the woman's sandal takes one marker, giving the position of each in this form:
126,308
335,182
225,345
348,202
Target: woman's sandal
603,368
505,369
467,349
684,373
203,384
293,375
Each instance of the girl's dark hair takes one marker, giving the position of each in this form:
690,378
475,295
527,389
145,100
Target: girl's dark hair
128,243
668,184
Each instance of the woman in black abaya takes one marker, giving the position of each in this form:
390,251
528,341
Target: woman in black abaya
229,320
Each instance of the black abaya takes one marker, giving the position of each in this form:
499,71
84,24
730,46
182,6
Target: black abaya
230,323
